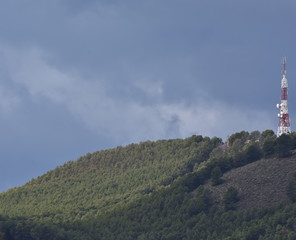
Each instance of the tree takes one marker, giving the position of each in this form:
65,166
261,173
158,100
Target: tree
291,189
241,136
239,159
267,133
268,146
293,136
230,198
253,153
284,145
201,202
254,136
216,175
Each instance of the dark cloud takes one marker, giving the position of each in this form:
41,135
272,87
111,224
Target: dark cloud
77,76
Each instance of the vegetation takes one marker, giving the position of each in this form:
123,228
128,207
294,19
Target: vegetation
230,198
291,189
216,175
151,190
284,145
100,181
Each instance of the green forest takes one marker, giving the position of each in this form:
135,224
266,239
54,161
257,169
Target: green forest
153,190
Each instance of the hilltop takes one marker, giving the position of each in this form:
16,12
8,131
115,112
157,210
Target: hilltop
193,188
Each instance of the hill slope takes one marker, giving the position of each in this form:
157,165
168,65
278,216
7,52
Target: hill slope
260,184
98,182
161,190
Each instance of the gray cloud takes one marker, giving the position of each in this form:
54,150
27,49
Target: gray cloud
126,118
80,76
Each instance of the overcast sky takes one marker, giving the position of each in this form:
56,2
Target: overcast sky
80,76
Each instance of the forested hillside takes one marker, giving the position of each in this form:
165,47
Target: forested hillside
168,189
97,182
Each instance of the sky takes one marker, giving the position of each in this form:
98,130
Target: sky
81,76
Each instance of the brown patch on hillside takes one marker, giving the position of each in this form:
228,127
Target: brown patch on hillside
260,184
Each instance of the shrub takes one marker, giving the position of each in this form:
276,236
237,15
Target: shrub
253,153
268,146
230,198
216,175
284,145
291,189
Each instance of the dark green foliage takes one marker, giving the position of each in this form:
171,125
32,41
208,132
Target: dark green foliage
253,153
216,175
291,189
192,180
147,221
267,133
224,163
203,199
284,145
24,229
241,136
293,136
239,159
268,146
230,198
254,136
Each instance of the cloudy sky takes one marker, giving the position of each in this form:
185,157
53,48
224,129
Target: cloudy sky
80,76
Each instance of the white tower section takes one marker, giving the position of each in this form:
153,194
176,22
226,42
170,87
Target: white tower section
284,119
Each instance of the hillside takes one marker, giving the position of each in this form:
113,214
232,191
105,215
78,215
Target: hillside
98,182
260,184
168,189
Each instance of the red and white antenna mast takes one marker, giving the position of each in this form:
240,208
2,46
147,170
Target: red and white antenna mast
284,119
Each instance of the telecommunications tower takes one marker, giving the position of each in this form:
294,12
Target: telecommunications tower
284,119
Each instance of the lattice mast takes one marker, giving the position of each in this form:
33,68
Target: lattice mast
284,119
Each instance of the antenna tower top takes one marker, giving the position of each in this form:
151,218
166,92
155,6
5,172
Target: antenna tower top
284,66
